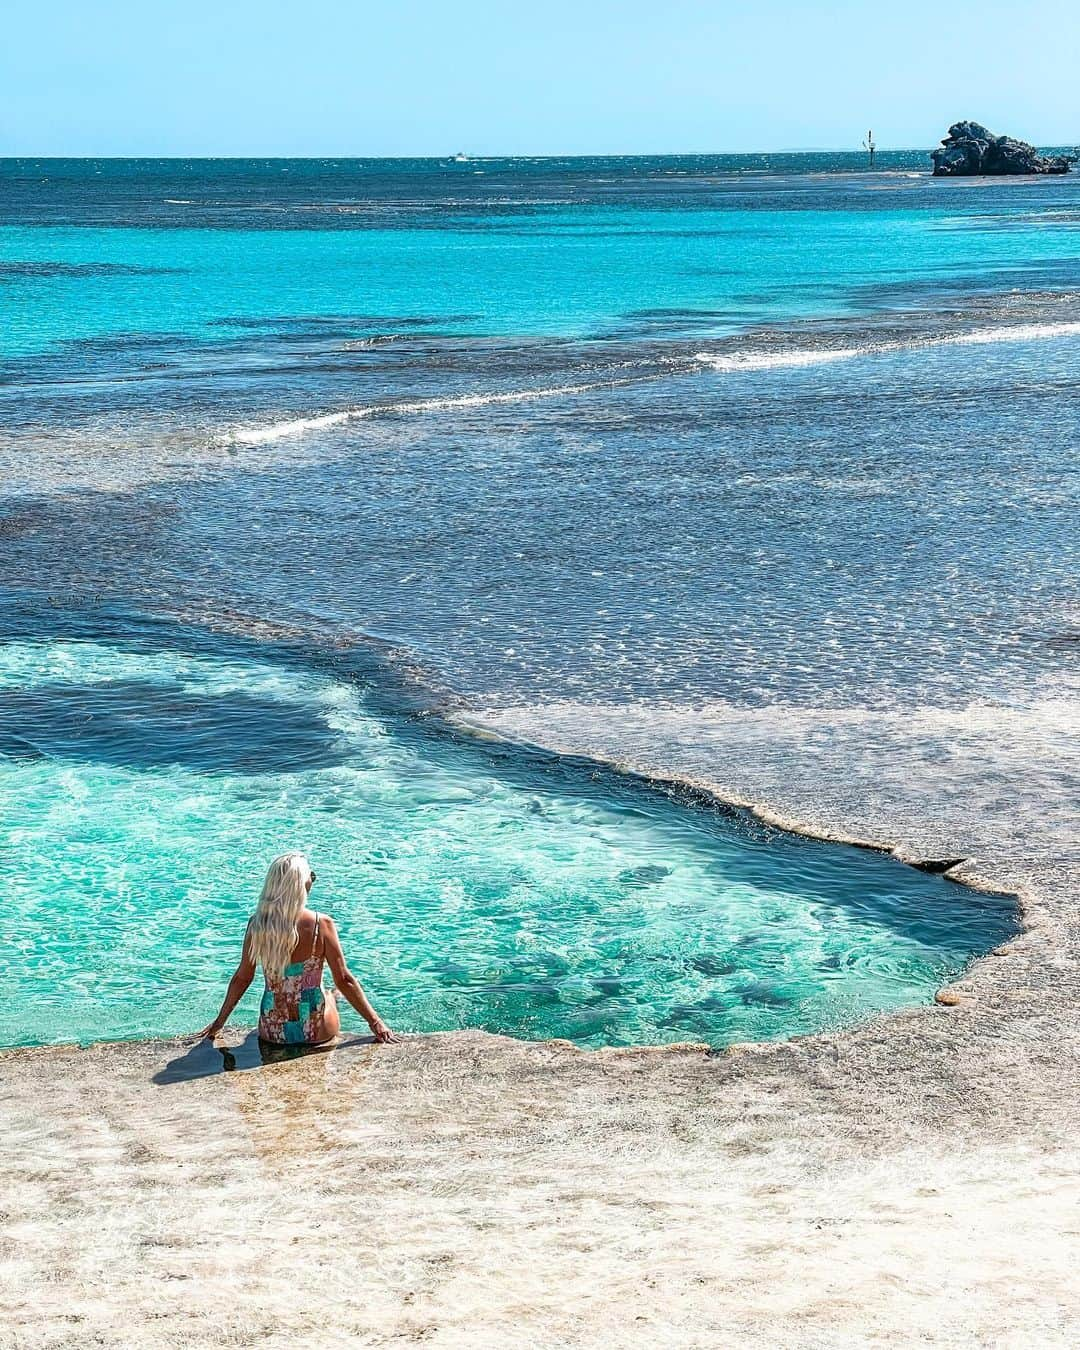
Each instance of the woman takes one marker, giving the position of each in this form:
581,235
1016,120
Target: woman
291,942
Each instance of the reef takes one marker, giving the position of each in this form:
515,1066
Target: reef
969,149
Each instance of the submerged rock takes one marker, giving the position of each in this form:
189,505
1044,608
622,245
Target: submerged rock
970,149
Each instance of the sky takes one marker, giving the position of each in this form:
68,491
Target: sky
417,77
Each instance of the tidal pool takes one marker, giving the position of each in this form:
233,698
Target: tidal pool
148,780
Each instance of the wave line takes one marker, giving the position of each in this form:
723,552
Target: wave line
812,356
725,362
275,431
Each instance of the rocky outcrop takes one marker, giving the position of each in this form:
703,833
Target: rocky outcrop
970,149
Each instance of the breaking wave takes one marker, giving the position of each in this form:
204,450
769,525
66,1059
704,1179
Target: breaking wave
275,431
753,359
812,356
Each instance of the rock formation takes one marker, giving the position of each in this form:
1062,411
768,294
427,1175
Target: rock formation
970,149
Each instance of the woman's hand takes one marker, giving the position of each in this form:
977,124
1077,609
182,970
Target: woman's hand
238,987
381,1032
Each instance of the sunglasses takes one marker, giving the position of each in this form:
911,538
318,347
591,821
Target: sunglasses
314,878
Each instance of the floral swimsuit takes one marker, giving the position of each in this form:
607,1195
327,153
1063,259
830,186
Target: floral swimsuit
293,1003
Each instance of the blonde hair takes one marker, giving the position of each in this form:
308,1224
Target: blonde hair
272,933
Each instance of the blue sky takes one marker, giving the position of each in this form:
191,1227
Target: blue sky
398,77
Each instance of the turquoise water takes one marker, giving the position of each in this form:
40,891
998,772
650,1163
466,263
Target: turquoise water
528,248
296,455
699,271
473,888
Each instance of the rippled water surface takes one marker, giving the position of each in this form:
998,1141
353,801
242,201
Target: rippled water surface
473,887
758,472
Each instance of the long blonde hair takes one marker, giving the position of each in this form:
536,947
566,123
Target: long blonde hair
272,933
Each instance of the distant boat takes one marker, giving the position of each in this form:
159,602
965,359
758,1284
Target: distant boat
461,157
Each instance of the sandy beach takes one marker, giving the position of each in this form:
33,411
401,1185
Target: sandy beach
912,1182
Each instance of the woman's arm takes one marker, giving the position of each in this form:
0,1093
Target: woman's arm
238,987
347,982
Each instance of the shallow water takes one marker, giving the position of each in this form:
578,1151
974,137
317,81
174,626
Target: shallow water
628,468
474,887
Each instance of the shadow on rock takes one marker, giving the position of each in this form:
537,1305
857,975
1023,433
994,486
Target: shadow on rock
204,1058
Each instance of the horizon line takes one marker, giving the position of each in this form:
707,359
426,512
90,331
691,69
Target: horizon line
474,158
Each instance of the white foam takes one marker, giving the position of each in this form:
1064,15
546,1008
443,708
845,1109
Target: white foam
812,356
1021,332
772,360
275,431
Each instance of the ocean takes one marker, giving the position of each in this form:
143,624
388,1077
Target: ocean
498,532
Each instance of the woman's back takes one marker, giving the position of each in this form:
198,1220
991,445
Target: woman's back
293,1009
309,944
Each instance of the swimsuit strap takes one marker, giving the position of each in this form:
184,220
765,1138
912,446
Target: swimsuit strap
315,937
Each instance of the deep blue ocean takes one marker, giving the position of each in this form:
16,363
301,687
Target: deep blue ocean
754,472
